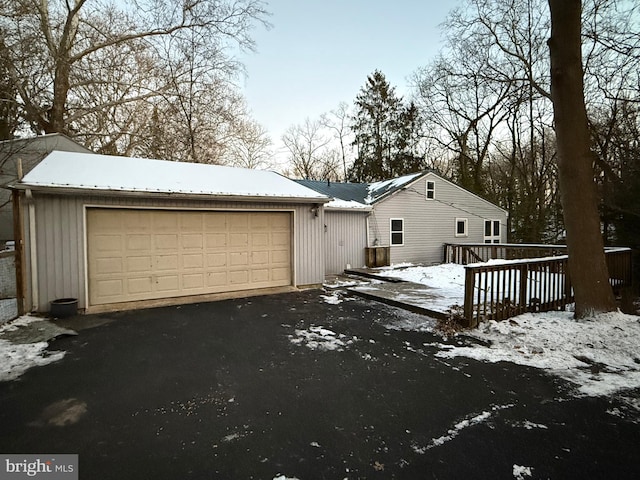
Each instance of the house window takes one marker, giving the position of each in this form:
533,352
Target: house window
492,231
461,227
431,190
397,231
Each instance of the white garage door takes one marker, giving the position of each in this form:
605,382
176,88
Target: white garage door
151,254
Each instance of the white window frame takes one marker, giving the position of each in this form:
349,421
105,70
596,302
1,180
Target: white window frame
392,231
465,221
493,237
432,190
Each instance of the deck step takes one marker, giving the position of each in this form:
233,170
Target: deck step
368,273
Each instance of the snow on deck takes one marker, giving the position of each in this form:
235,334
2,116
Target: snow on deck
445,283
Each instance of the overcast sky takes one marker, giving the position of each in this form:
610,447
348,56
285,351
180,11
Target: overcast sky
319,53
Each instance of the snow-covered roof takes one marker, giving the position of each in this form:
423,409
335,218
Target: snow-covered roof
380,189
358,195
337,204
65,170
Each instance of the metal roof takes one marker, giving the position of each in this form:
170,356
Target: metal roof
364,193
349,192
107,173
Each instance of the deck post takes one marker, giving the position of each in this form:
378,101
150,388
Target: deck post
524,280
469,279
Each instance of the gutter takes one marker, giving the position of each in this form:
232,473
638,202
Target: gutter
61,190
328,208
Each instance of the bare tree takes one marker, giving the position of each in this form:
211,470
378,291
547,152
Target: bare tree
587,263
102,69
491,88
463,111
9,118
310,153
251,148
339,121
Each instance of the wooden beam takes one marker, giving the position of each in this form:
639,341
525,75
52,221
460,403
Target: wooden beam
18,236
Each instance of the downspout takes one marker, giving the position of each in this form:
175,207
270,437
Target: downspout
33,250
366,219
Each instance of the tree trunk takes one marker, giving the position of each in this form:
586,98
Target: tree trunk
587,264
60,92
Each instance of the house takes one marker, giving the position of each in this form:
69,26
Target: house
29,152
117,233
413,215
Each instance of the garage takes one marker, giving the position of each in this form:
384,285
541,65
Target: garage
136,254
117,233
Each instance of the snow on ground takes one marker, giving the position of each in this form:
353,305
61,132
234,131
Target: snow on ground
600,354
458,427
335,297
15,359
408,321
320,338
520,472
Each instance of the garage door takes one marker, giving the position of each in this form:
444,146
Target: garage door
151,254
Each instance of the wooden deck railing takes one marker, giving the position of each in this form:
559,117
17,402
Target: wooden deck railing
497,291
465,253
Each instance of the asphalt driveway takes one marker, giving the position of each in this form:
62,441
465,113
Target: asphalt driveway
293,386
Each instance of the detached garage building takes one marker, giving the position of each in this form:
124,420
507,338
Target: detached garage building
118,232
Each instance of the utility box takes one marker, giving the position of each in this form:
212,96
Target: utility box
377,256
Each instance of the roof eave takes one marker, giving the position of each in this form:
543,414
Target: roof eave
179,195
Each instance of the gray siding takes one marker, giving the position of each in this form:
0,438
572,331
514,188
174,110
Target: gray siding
60,237
345,239
30,151
428,224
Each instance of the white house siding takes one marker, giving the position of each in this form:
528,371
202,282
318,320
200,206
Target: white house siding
60,237
428,224
345,238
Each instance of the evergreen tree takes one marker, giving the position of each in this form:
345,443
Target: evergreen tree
385,133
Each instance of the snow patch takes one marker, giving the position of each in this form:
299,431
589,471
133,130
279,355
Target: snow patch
335,298
320,338
530,425
15,359
458,427
520,473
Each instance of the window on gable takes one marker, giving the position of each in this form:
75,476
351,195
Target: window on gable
492,231
431,190
397,231
461,227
